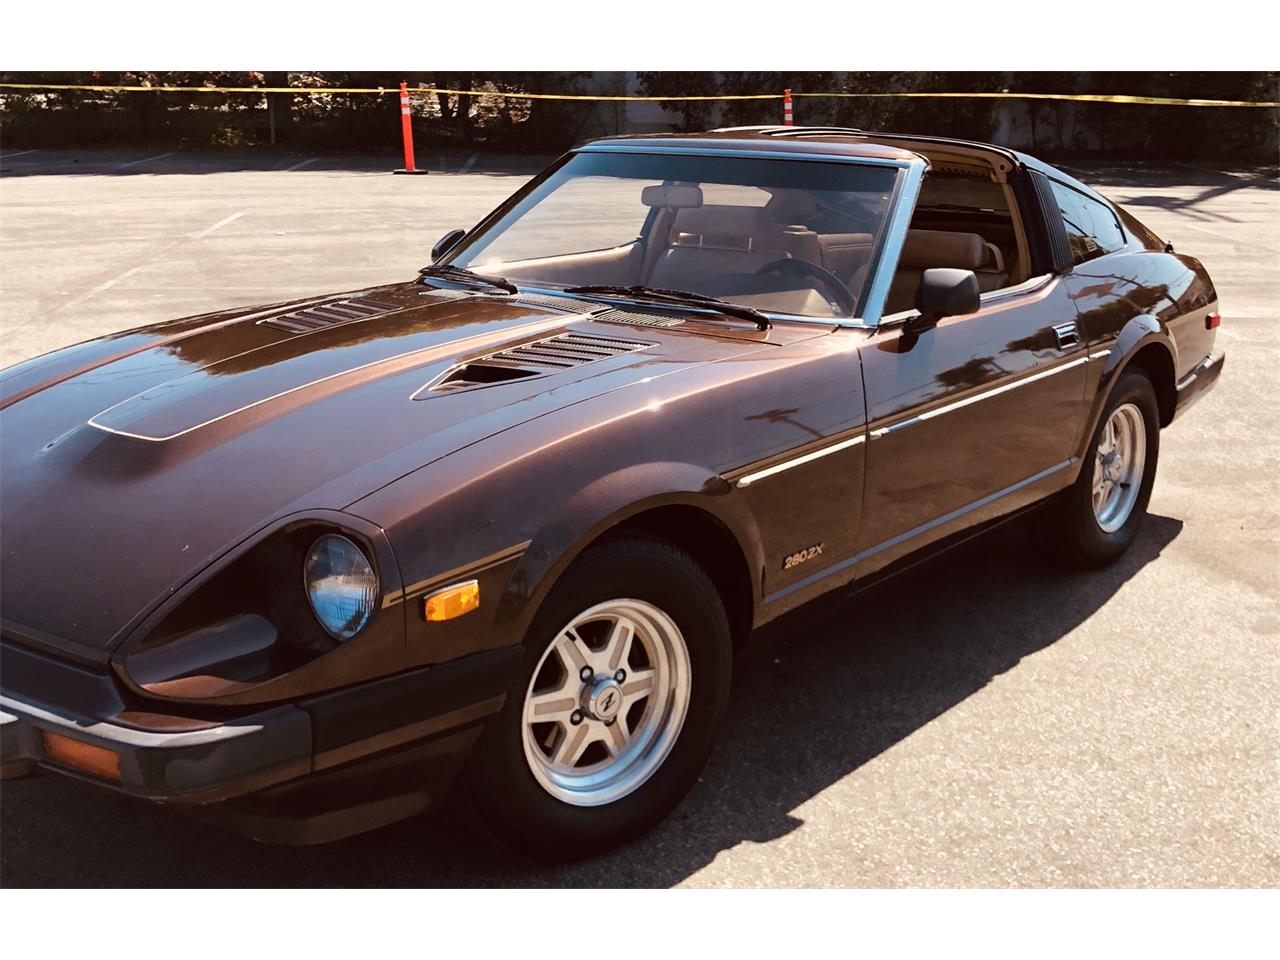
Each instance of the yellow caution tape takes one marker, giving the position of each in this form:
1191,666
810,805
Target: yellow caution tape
146,89
1091,97
320,91
317,91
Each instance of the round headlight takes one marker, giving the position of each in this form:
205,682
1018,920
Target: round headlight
341,585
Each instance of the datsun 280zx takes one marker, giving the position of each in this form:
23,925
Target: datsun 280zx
306,568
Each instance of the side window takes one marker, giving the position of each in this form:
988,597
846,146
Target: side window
1092,229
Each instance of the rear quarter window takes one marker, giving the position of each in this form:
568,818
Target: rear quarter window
1092,227
1140,230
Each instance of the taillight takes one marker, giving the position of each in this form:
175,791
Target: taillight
1211,320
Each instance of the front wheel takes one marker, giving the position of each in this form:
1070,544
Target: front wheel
613,713
1095,520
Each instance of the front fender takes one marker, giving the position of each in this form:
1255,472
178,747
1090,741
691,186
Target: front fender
612,500
514,511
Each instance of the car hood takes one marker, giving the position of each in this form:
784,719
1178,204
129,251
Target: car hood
131,462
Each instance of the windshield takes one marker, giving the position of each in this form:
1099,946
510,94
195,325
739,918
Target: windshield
718,226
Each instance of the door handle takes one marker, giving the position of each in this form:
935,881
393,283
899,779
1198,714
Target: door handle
1067,333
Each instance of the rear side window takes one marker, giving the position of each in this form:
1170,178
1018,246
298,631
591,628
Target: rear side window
1140,230
1092,228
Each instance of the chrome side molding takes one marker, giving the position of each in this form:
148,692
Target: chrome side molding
975,398
747,479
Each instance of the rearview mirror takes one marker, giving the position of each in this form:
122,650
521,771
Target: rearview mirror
447,243
944,292
678,196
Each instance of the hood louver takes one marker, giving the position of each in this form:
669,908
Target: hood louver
567,304
636,318
328,314
532,360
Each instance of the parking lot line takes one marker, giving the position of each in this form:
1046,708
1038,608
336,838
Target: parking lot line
471,162
134,163
20,153
218,226
301,164
125,275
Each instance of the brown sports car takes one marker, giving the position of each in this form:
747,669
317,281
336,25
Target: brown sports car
303,567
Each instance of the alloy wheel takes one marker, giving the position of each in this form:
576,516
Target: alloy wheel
1119,461
606,702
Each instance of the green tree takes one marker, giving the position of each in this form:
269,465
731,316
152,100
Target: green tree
692,115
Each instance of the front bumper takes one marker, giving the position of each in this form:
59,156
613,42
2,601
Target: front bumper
324,767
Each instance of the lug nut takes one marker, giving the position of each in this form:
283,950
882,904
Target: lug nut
576,717
620,676
586,674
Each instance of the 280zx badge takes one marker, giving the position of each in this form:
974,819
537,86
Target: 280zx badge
800,556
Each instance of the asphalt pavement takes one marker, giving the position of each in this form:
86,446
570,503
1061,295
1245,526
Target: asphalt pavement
990,722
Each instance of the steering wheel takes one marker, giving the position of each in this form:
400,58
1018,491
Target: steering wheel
850,208
832,285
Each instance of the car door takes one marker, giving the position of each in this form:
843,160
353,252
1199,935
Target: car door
971,419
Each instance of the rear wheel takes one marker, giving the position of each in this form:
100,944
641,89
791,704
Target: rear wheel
612,715
1095,520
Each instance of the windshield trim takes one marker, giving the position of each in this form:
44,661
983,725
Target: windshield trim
691,307
754,154
902,207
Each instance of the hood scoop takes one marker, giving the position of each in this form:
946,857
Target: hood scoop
327,314
534,359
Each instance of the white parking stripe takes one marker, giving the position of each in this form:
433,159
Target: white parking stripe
219,225
471,162
125,275
20,153
134,163
109,284
301,164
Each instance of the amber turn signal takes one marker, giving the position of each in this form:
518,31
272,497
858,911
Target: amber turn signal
452,601
88,757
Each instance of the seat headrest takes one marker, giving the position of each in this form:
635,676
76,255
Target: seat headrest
943,248
725,227
791,206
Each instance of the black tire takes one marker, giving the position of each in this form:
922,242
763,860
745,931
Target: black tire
1066,527
508,797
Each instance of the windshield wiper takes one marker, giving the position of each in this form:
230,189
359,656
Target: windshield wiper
680,298
450,272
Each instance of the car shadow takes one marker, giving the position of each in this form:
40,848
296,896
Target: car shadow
815,698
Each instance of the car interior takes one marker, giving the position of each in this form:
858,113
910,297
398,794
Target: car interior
806,252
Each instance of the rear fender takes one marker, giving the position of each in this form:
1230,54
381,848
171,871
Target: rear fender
1134,337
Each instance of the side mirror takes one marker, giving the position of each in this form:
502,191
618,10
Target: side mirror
447,243
944,292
